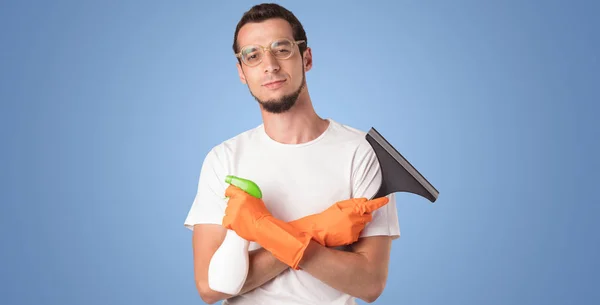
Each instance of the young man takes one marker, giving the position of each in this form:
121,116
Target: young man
315,238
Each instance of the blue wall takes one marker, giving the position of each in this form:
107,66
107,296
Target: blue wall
108,108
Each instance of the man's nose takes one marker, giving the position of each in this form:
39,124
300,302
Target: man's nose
270,62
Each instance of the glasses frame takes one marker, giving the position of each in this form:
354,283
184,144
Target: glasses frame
264,49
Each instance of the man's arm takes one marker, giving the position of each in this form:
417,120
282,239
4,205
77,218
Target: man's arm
361,273
207,238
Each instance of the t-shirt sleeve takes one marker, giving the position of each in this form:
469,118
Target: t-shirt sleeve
366,179
209,203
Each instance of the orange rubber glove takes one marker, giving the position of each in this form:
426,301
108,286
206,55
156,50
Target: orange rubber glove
250,219
341,223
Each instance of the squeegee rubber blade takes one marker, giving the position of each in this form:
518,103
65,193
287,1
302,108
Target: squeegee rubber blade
398,174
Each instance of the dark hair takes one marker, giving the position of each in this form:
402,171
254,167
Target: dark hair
264,11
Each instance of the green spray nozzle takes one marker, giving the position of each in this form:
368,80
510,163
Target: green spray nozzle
245,184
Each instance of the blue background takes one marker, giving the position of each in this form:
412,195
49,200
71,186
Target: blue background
109,107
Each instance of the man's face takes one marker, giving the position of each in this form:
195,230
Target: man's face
274,83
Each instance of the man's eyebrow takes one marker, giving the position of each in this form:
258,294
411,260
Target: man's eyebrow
250,47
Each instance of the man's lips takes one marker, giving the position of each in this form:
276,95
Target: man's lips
274,84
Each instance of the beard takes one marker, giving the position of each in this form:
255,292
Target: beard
283,103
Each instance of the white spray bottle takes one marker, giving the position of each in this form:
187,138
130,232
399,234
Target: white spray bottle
229,265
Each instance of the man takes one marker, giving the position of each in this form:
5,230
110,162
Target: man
315,238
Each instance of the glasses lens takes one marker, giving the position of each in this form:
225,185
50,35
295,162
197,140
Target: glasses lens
251,55
282,48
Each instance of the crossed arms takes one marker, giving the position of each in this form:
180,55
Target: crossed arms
362,272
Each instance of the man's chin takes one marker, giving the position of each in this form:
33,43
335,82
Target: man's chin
281,103
278,106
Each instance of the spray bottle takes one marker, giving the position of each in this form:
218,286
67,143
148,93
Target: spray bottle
229,265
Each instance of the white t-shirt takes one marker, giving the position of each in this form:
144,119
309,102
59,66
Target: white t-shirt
296,180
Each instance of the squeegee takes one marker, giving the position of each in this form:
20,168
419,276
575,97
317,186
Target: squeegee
398,175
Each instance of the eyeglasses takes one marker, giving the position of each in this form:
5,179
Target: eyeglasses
282,48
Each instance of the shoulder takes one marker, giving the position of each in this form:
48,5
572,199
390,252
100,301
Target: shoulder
351,137
224,150
347,134
346,131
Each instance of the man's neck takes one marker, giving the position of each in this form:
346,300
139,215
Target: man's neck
300,124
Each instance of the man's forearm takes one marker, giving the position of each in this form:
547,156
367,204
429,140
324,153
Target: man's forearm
263,267
348,272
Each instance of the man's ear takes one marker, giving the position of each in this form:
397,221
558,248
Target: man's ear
308,62
241,73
